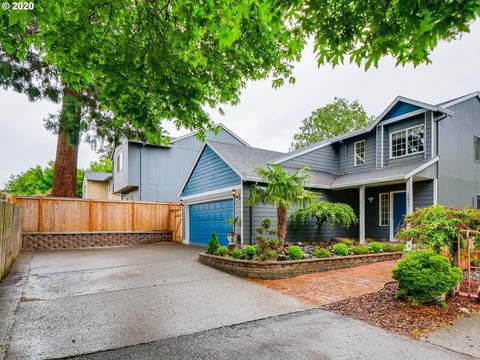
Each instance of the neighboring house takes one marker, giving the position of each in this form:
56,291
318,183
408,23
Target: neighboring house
413,155
98,186
146,172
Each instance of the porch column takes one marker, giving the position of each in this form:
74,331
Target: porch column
361,211
409,195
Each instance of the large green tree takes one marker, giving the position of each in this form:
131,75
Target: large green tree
122,67
339,117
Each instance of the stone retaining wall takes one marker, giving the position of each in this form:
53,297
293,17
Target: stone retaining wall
88,240
284,269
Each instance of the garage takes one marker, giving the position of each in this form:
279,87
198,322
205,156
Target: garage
208,217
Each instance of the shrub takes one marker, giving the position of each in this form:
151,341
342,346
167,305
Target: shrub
222,250
360,250
213,244
401,246
375,246
340,249
321,253
346,241
295,252
250,252
388,247
268,254
424,276
237,253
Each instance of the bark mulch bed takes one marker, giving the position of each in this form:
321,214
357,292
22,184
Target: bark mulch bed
383,310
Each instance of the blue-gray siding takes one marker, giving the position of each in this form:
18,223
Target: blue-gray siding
323,159
458,172
210,173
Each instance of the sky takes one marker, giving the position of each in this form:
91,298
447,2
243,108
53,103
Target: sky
268,118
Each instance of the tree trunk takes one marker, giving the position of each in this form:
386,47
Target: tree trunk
282,226
65,170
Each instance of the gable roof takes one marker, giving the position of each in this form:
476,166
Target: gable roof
97,175
398,99
460,99
174,140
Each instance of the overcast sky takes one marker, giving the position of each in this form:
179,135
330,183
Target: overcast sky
265,117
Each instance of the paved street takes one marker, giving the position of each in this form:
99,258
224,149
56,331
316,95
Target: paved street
158,302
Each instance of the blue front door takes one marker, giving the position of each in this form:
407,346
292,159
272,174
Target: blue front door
399,210
209,217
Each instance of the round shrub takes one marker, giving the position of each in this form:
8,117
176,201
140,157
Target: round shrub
222,250
237,253
340,249
424,276
376,247
268,254
401,246
213,244
250,252
389,247
321,253
360,250
295,252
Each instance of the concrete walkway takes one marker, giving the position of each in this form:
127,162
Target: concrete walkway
83,301
336,285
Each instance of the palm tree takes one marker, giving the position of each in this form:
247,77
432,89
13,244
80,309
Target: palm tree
283,190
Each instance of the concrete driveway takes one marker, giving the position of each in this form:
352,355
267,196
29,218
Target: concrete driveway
83,301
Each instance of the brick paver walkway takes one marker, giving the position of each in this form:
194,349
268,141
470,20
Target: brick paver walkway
336,285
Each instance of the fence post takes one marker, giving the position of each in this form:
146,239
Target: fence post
90,219
133,215
169,216
40,214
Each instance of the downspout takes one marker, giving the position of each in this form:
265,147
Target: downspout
251,225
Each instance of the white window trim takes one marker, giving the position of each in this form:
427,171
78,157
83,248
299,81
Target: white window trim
355,153
475,147
380,209
120,162
406,132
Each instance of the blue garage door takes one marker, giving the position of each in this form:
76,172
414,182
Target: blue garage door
209,217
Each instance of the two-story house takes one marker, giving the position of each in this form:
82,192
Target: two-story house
413,155
147,172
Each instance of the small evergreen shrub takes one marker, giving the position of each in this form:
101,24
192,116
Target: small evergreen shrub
295,252
268,254
340,249
424,276
250,252
375,246
401,246
360,250
389,247
213,244
346,241
237,253
321,253
222,250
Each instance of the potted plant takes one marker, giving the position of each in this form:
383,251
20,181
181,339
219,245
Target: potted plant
232,236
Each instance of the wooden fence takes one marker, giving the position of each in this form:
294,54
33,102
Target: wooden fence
10,235
62,215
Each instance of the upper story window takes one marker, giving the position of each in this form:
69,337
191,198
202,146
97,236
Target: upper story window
120,162
477,148
408,141
359,156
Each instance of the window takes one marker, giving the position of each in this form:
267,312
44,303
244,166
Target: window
120,162
477,202
383,209
407,142
359,158
477,148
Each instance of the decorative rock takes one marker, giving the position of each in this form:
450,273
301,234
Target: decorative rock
308,248
465,311
282,257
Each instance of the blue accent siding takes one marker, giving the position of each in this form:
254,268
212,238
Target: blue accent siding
399,109
208,217
210,173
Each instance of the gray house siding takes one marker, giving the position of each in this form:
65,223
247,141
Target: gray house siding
422,194
346,151
458,172
323,159
120,179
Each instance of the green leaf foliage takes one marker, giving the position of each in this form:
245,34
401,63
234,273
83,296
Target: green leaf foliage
102,165
213,244
295,252
222,251
340,249
376,247
360,250
250,252
424,276
389,247
337,118
237,253
321,253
